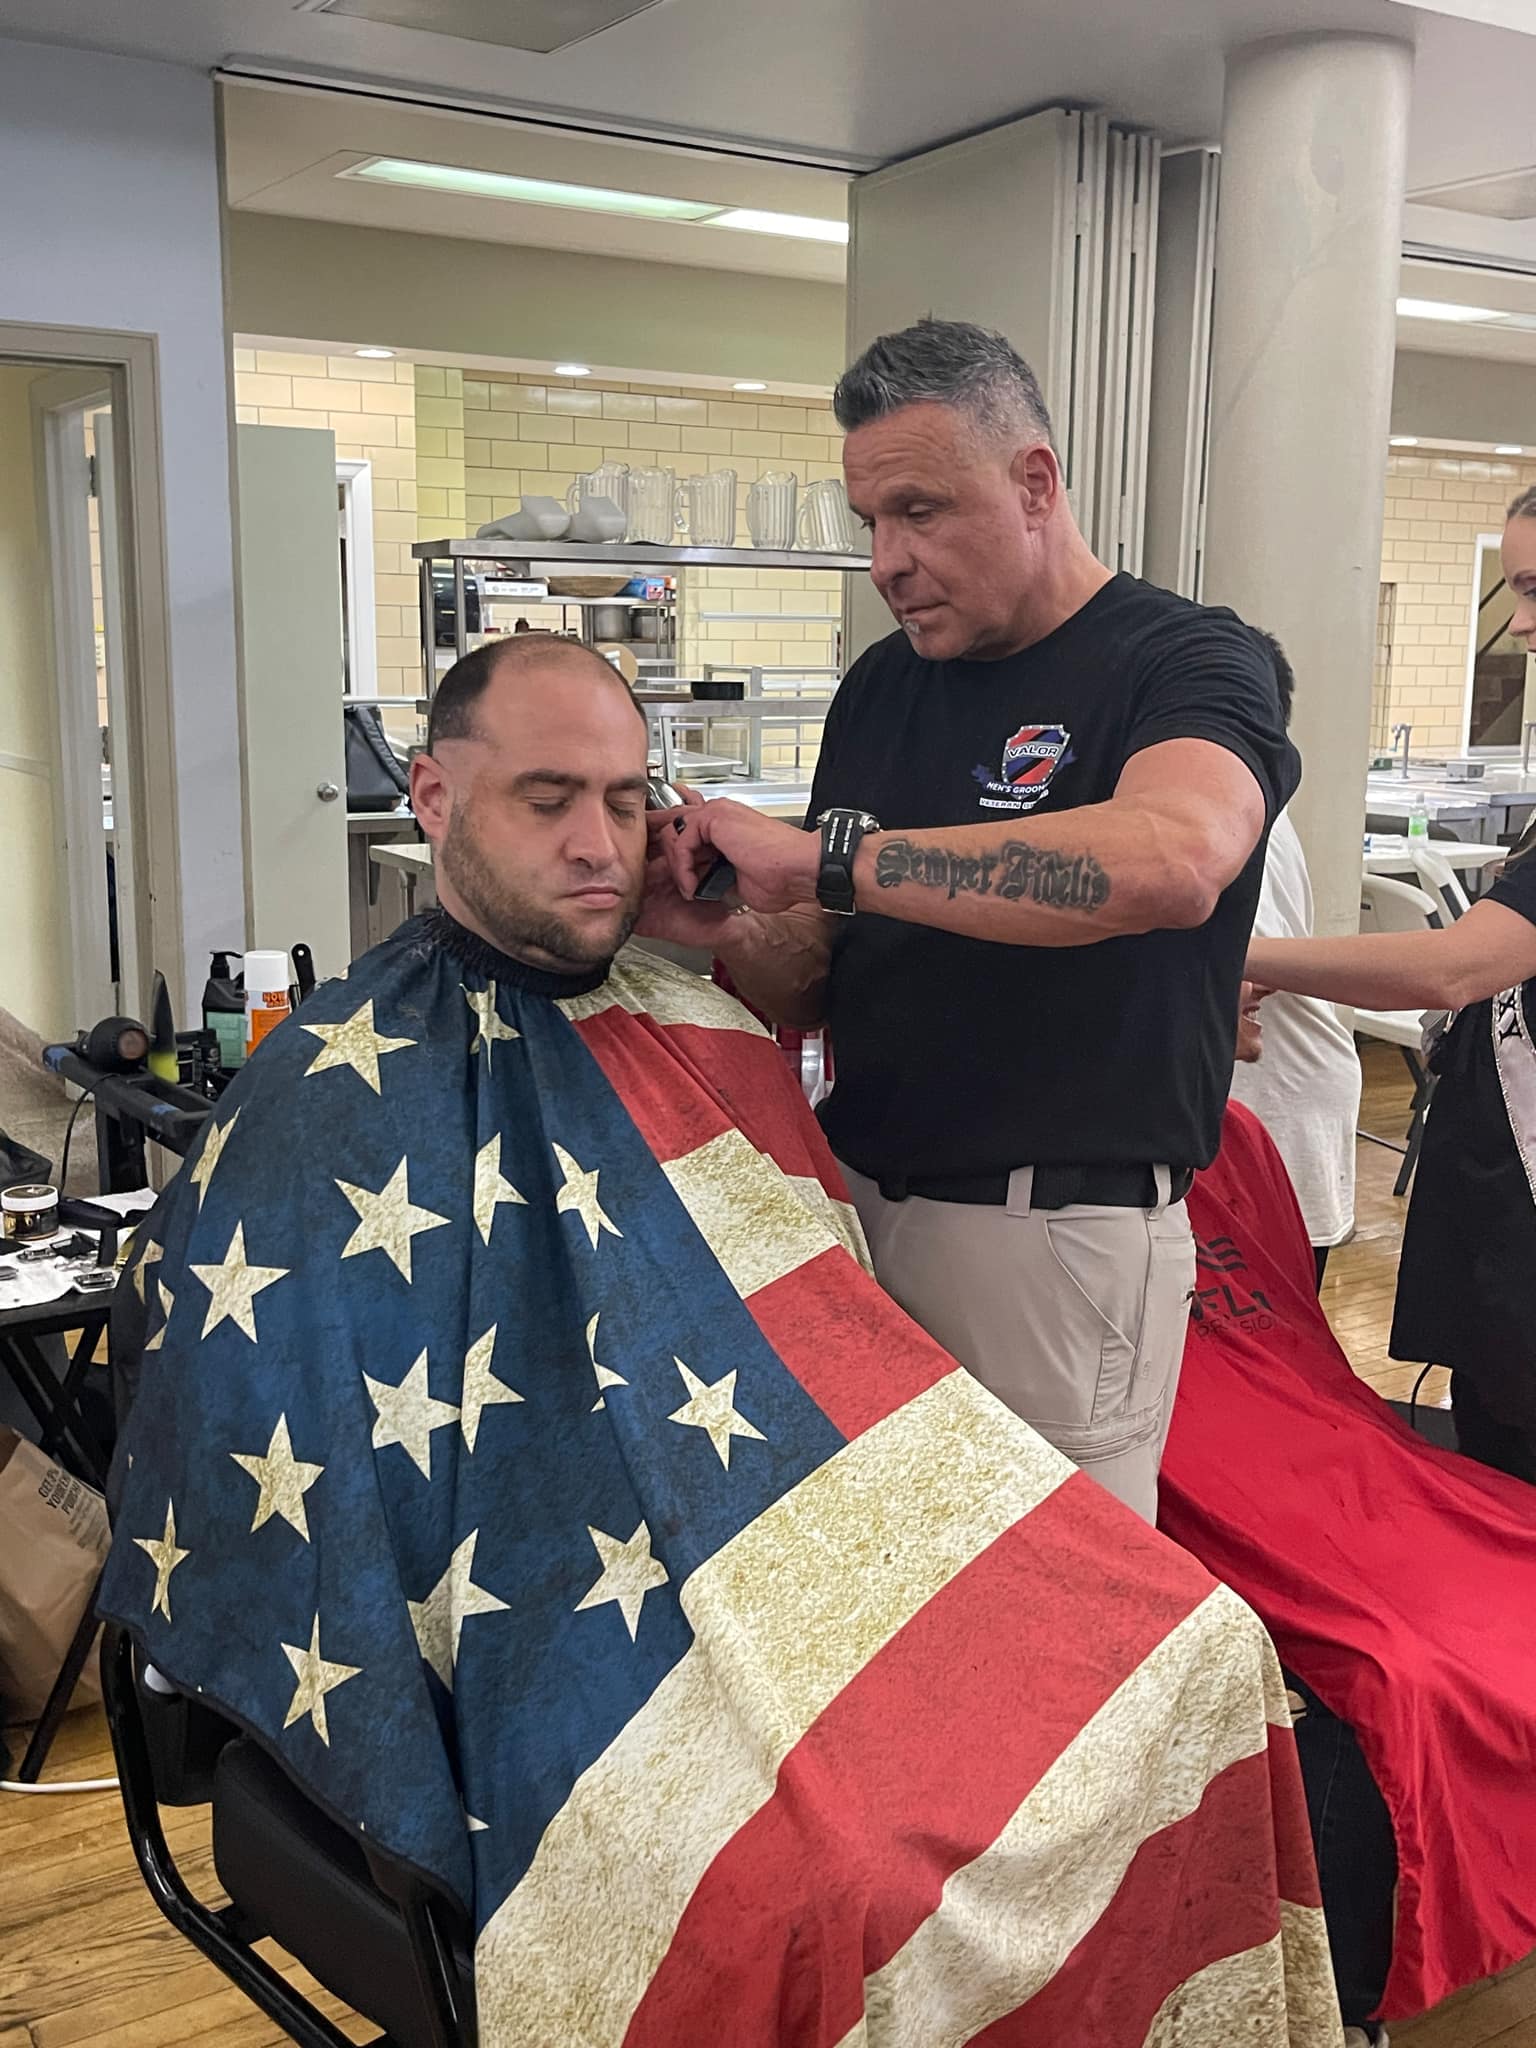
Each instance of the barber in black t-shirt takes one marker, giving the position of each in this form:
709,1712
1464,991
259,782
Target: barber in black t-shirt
1043,807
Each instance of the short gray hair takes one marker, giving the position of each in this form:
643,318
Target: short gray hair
946,362
1524,506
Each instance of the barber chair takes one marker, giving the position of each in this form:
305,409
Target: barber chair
376,1933
372,1931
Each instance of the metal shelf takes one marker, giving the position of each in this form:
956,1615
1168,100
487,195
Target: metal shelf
630,604
534,561
637,555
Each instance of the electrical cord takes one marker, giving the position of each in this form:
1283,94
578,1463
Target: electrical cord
1413,1398
80,1785
69,1132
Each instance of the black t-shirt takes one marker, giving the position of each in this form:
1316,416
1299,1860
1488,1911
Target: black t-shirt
1466,1286
956,1056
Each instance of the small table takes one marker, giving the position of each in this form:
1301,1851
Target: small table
67,1436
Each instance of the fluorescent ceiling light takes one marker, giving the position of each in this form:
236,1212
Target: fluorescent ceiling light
394,170
748,384
457,180
572,370
374,354
1509,448
800,227
1403,441
1440,309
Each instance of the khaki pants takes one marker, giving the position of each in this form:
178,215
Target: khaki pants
1075,1317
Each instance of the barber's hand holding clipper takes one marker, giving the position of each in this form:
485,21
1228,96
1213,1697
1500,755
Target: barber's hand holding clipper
776,864
694,919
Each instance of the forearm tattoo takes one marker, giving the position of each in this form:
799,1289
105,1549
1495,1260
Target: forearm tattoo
1058,881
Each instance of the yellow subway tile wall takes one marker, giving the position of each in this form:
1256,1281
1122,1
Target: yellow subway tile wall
537,434
370,406
1436,507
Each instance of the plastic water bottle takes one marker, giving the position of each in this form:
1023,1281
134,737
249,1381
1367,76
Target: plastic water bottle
1418,818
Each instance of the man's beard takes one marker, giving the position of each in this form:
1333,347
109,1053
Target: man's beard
538,937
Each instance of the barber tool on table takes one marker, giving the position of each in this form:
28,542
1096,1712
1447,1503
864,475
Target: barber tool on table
661,796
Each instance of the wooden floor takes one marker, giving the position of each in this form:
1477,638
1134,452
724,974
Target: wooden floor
87,1962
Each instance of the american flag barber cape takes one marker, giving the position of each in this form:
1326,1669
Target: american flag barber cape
522,1452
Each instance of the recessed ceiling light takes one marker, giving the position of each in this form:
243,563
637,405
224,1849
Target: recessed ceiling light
393,170
1441,309
1509,448
748,384
1403,441
376,355
457,179
572,370
800,227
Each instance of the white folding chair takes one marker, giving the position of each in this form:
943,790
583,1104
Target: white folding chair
1441,879
1388,906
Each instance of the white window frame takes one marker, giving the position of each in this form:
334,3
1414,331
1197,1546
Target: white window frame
356,481
1484,541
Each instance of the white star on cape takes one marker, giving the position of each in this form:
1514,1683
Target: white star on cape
407,1415
355,1044
483,1004
315,1679
713,1409
482,1389
629,1573
234,1286
283,1479
165,1556
167,1303
209,1157
491,1188
388,1220
147,1258
439,1619
605,1378
578,1194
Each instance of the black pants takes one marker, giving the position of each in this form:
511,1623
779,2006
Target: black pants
1480,1434
1356,1854
1320,1255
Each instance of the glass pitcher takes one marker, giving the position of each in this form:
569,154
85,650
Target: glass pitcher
771,509
826,523
652,503
706,507
609,480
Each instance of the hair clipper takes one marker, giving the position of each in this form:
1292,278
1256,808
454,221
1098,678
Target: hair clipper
721,876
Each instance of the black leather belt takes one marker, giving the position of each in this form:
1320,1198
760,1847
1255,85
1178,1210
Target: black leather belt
1055,1187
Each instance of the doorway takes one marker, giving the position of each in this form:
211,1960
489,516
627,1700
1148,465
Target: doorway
1495,662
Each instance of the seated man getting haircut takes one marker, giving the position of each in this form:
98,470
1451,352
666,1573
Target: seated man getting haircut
523,1454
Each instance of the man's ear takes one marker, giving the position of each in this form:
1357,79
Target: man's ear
1036,475
431,796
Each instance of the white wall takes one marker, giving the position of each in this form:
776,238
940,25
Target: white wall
34,950
1462,398
111,220
324,281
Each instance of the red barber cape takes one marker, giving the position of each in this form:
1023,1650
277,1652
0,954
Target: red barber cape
1398,1580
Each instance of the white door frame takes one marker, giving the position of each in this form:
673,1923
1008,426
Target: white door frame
356,480
1483,543
60,404
132,987
128,365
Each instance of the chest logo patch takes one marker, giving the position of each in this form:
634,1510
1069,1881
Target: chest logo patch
1030,759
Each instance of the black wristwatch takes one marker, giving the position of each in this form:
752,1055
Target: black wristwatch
841,832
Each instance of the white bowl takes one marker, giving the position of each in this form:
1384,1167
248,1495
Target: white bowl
537,519
597,519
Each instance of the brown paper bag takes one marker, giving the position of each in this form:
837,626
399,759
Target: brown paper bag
53,1542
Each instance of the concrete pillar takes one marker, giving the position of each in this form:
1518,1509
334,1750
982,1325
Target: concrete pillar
1308,247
